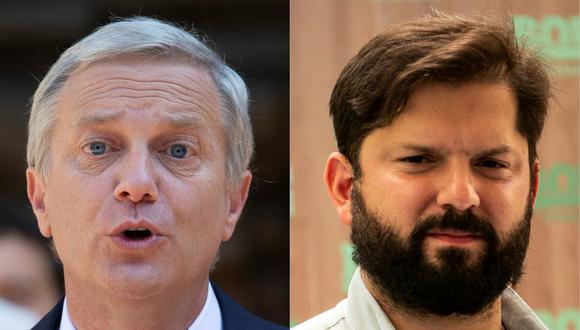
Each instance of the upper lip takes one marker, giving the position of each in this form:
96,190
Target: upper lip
132,224
452,232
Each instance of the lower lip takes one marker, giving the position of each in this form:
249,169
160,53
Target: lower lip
454,239
127,244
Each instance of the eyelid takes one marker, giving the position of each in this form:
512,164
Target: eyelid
501,163
417,159
85,145
191,144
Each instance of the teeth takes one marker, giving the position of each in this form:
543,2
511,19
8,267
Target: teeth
137,229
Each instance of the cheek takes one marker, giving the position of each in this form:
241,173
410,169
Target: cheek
397,199
74,193
504,205
73,203
200,213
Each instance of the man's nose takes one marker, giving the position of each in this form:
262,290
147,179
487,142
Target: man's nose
136,178
457,189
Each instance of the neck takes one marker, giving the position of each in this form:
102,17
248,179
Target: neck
488,319
96,308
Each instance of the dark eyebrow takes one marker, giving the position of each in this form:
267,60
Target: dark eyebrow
438,151
422,149
494,151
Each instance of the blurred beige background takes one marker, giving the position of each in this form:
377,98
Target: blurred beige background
325,34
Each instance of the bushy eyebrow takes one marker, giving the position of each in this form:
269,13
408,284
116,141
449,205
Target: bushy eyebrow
494,151
423,149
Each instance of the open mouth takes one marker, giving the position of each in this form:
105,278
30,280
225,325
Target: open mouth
137,234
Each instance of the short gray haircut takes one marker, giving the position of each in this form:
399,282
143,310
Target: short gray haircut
143,36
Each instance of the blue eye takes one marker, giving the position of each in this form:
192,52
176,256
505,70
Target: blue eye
178,151
97,148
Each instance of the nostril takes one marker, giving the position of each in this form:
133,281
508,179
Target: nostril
134,196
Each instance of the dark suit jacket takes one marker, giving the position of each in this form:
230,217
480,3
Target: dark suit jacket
234,316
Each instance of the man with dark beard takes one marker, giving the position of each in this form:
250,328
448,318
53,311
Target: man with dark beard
437,123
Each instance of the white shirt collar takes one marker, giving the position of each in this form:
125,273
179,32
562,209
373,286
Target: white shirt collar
363,310
65,321
210,316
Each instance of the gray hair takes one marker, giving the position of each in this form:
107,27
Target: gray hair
149,37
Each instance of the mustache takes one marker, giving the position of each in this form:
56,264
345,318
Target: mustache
453,220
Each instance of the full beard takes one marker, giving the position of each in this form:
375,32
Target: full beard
458,284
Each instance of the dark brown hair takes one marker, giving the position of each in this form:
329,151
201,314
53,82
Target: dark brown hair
375,85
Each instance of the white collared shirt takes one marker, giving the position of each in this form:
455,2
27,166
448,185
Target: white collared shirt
210,316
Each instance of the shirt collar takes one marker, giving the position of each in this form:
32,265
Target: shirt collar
516,314
65,321
362,310
210,316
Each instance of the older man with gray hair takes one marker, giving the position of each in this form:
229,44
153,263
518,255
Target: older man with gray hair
138,153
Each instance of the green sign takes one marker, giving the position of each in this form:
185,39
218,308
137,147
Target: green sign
566,319
348,266
557,37
559,194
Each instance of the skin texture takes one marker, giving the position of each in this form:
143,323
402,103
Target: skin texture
28,281
138,111
454,146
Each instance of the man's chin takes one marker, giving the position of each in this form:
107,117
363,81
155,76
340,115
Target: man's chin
134,280
464,257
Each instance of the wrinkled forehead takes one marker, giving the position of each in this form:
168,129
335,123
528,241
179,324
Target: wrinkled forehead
185,90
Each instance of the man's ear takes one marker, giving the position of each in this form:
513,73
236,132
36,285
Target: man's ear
338,177
536,183
36,190
237,201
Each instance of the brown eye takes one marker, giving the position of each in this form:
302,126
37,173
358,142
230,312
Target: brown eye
416,159
489,163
